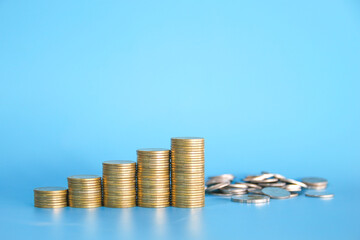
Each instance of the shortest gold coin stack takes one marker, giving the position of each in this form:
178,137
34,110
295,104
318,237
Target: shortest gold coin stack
50,197
119,183
84,191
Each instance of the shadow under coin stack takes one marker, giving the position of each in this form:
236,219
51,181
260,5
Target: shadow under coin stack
85,191
50,197
153,177
187,172
119,183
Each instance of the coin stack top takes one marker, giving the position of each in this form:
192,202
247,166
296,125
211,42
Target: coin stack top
50,197
119,183
187,172
153,177
85,191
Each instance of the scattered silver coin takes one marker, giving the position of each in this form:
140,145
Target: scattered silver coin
220,179
268,180
271,185
279,176
314,181
254,190
220,194
275,184
292,181
253,185
317,187
239,185
262,177
292,188
233,191
276,193
249,178
248,198
292,195
319,194
217,186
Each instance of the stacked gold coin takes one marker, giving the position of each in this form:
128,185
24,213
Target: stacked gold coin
153,177
84,191
50,197
187,172
119,183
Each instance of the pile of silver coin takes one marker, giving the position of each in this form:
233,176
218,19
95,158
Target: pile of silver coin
261,188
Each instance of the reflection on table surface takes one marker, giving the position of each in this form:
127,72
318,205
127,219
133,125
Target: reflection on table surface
220,218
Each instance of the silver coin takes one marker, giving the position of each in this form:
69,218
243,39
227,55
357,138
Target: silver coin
268,180
319,194
220,179
234,191
279,176
292,181
262,177
219,194
292,188
248,198
214,181
275,184
253,185
317,187
292,195
239,185
228,177
314,181
217,186
276,193
254,190
249,178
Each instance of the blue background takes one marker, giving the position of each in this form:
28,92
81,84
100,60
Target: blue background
271,85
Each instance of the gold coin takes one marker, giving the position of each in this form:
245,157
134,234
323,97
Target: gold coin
153,191
118,200
120,187
85,196
120,205
119,162
152,200
162,203
120,181
153,205
84,192
153,150
84,186
122,196
124,171
150,181
40,206
50,204
118,174
80,178
51,190
194,193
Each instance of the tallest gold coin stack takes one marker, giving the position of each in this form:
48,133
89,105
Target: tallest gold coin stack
187,172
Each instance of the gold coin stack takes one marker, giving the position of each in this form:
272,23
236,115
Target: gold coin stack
50,197
119,183
153,177
84,191
187,172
